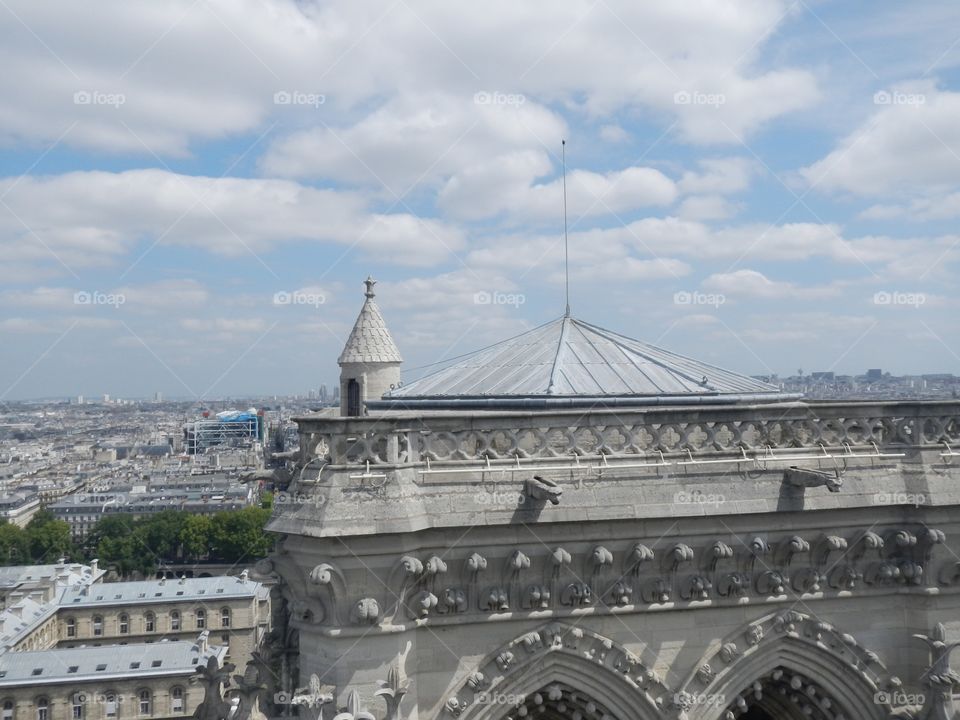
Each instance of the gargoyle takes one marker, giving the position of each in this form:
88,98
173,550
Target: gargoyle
541,490
809,478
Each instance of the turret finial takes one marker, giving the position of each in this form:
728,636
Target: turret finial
369,282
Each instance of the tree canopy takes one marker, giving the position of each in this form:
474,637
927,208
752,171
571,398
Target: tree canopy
142,545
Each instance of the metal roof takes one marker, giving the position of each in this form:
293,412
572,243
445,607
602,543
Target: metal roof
141,660
143,592
569,358
370,341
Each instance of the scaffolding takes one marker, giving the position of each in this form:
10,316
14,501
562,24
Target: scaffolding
226,429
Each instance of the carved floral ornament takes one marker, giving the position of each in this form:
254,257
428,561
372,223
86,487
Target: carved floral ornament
619,578
531,650
719,669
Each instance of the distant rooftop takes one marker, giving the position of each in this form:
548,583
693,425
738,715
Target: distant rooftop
69,573
143,592
57,665
568,362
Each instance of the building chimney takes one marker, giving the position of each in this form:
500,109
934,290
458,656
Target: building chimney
94,566
203,642
244,575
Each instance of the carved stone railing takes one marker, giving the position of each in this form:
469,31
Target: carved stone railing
405,438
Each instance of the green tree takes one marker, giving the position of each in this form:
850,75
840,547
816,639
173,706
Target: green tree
161,533
48,538
196,537
239,535
14,545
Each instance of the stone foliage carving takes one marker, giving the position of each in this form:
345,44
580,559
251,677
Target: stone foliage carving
366,612
625,577
773,630
532,649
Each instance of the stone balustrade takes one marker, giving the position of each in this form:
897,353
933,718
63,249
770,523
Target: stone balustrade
448,439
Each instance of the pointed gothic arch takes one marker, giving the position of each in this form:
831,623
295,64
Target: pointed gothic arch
790,665
560,665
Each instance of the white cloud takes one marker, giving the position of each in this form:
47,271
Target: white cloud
706,207
614,134
94,218
496,187
752,284
414,138
902,149
204,71
718,176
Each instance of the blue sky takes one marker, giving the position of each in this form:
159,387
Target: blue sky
192,193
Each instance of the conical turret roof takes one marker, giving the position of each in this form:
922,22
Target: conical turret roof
370,341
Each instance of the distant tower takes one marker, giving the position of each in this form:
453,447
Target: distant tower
370,361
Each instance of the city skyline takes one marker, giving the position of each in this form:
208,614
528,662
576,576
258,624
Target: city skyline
782,195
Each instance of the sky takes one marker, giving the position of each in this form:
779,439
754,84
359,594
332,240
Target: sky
192,192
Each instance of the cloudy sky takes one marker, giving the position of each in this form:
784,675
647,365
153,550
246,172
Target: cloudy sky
192,191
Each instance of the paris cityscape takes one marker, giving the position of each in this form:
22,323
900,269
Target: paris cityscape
406,360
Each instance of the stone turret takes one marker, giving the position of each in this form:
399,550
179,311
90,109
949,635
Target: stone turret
370,361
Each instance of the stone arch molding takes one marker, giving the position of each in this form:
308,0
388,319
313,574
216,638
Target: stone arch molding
558,653
853,677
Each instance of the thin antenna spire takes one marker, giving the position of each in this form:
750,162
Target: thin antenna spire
566,240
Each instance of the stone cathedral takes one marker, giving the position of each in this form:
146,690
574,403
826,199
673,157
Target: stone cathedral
573,524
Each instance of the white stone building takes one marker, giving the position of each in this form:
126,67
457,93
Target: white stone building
575,524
